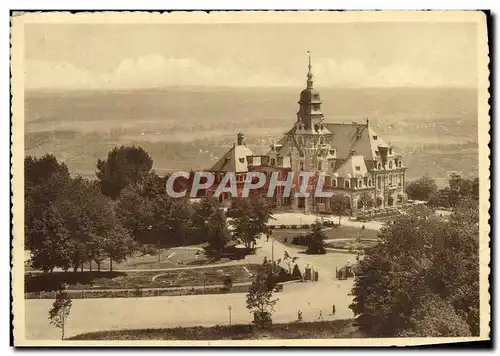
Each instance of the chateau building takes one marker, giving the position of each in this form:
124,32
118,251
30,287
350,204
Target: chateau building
353,159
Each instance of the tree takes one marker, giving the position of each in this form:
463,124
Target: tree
53,245
421,257
60,311
124,166
366,200
260,296
139,214
249,217
435,317
457,190
315,241
117,245
201,213
217,232
44,180
422,188
340,205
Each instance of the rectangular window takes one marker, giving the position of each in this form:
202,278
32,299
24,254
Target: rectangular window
332,165
379,183
301,165
273,161
320,166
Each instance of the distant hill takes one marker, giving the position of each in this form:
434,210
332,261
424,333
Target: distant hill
182,128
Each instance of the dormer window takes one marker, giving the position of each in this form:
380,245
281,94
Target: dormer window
375,137
332,152
358,168
390,151
273,161
379,166
399,164
242,160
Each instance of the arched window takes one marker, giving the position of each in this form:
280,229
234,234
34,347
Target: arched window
369,182
399,164
334,182
390,164
379,166
360,183
346,183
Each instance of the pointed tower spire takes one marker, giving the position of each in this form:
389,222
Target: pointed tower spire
309,74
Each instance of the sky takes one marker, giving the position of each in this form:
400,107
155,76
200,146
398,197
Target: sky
130,56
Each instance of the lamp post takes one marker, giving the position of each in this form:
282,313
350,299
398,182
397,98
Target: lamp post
229,310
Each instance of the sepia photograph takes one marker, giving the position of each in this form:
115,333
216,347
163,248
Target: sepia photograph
309,178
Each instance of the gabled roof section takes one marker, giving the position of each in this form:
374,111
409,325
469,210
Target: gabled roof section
354,138
235,160
353,167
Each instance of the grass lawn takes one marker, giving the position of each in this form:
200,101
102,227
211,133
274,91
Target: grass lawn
351,244
36,282
303,330
340,232
174,257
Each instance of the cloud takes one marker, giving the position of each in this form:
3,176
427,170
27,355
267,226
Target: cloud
157,71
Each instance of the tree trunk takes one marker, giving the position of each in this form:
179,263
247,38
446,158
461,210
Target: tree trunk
81,267
110,264
90,266
98,266
62,330
340,217
75,268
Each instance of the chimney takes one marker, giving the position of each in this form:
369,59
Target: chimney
241,139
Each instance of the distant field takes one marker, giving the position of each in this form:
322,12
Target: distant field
434,129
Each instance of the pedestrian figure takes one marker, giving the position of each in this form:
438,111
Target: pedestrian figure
265,260
320,316
333,309
299,316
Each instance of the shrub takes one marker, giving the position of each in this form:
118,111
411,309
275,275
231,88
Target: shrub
296,274
282,226
228,283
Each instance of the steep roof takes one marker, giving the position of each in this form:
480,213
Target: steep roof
349,167
235,160
352,136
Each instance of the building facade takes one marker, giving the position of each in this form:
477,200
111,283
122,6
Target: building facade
353,159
